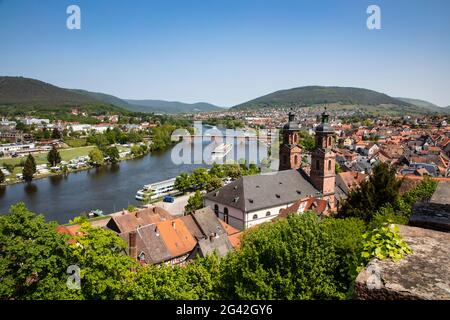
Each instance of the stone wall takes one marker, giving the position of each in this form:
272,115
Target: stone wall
424,274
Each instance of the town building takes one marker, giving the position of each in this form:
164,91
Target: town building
256,199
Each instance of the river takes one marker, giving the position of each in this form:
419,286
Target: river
109,188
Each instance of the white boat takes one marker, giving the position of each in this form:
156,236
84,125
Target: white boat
156,190
221,150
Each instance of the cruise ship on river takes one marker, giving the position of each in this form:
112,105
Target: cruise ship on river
156,190
221,150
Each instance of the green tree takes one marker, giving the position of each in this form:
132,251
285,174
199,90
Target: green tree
234,171
199,178
134,137
217,170
29,168
183,182
113,154
381,188
195,202
102,259
346,238
33,257
56,134
194,281
307,141
100,140
214,183
289,259
136,151
96,157
53,156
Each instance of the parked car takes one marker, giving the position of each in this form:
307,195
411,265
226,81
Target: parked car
169,199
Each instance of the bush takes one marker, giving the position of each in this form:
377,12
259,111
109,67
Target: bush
382,188
288,259
387,215
346,235
384,242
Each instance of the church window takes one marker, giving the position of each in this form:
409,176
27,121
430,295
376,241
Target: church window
225,214
216,210
329,165
255,216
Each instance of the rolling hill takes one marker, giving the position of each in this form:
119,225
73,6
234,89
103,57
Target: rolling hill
27,95
20,96
161,106
315,95
25,91
421,103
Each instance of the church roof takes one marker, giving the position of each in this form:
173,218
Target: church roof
252,193
292,124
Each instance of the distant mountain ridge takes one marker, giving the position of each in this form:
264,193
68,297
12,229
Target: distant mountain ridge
37,94
421,103
313,95
25,95
18,90
171,106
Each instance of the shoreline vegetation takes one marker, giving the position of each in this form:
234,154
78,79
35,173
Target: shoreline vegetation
96,150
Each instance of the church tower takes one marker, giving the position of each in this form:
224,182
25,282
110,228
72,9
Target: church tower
290,150
323,161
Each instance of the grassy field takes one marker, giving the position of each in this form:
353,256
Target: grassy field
75,143
41,158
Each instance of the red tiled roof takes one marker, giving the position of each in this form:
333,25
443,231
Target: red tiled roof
176,236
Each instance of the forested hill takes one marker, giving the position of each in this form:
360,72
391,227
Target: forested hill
314,95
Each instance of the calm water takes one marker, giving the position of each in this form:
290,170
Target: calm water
109,188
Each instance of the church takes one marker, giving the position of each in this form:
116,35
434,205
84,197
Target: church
252,200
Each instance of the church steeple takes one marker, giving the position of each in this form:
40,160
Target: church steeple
290,151
323,160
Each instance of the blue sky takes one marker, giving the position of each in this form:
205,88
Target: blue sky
229,51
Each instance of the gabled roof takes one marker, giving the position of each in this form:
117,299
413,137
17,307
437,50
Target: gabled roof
176,236
319,206
130,221
251,193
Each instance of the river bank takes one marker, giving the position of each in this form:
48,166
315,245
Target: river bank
41,159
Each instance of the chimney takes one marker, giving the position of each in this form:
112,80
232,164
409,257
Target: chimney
137,214
173,225
133,245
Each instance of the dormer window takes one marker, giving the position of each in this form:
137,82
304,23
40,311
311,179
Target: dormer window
278,195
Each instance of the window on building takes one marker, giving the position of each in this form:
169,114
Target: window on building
216,210
329,165
267,213
225,214
295,159
255,216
